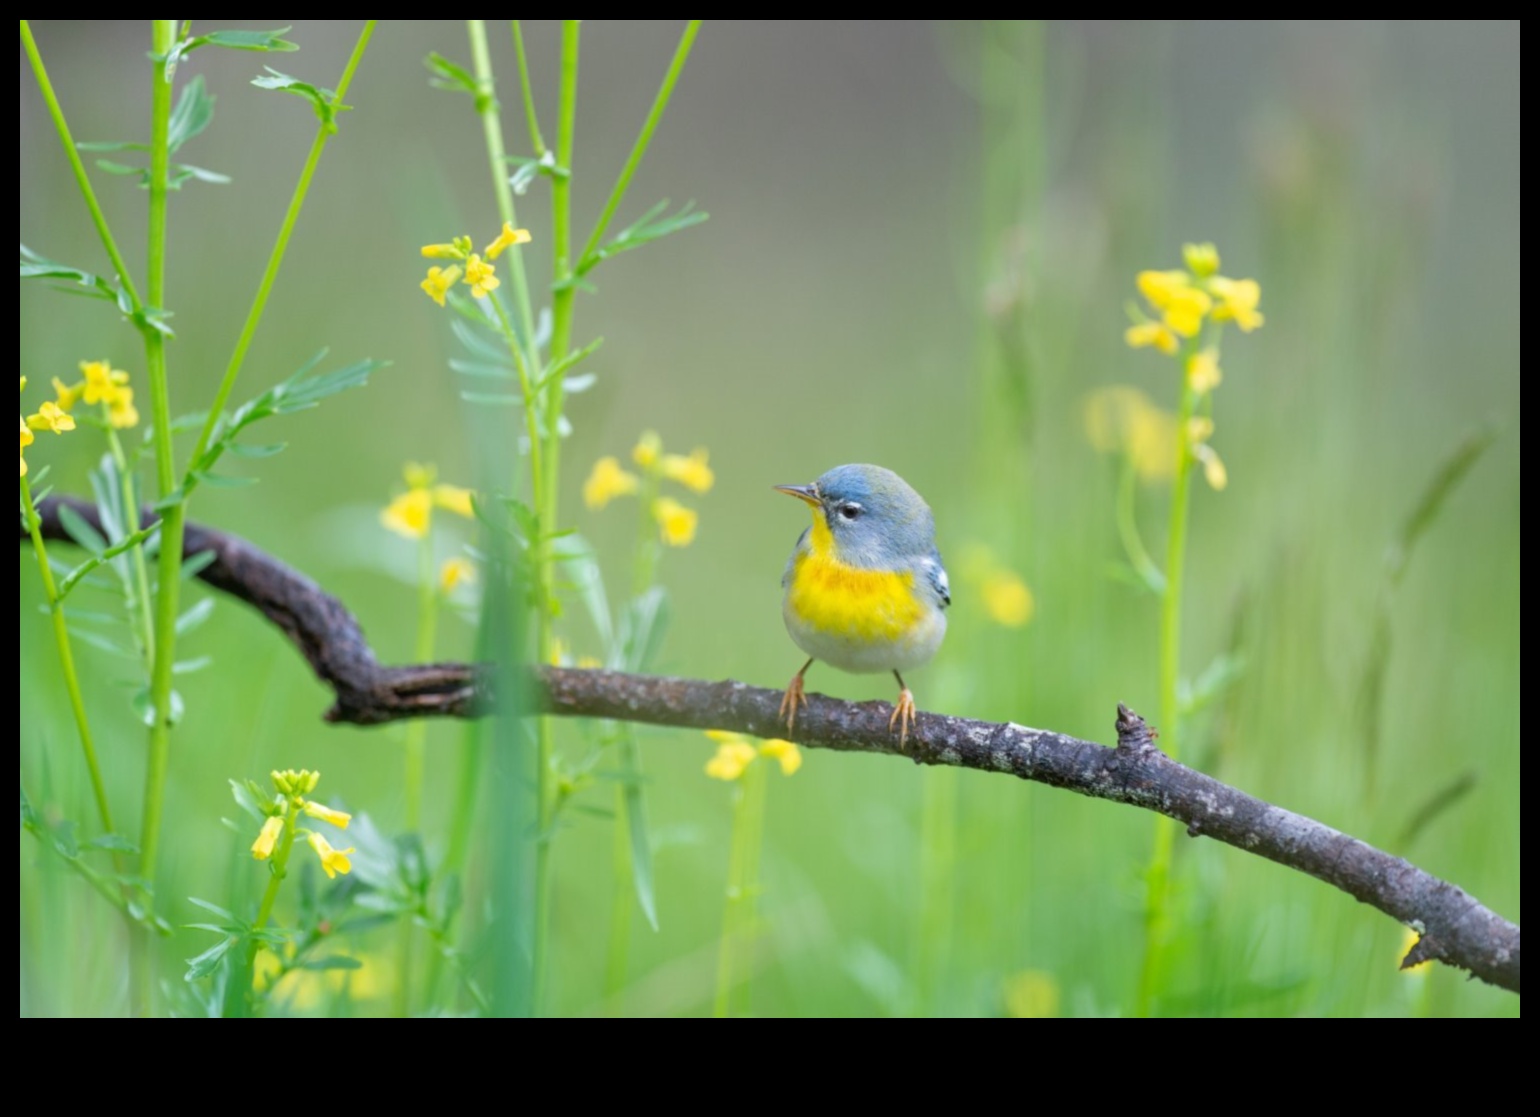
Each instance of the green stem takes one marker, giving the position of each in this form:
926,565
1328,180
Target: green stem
1128,530
1158,876
72,153
278,867
172,526
644,138
61,638
280,247
622,901
742,883
416,753
502,189
527,389
427,631
561,216
535,138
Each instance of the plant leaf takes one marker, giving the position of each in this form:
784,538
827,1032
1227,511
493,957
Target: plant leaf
322,101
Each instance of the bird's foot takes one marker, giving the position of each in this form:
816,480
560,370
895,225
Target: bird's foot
903,717
795,696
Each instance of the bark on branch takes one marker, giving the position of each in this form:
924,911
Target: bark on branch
1455,928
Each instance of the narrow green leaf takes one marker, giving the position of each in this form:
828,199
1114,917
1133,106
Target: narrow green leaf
247,801
113,843
322,101
450,75
195,616
111,145
641,848
207,962
490,399
194,112
196,564
332,962
223,481
82,533
213,909
484,371
244,450
270,41
1451,471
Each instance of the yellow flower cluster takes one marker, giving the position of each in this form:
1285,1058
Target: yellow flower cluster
676,522
293,787
474,269
1183,298
49,417
736,752
410,515
100,385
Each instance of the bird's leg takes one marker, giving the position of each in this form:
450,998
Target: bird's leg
794,697
903,712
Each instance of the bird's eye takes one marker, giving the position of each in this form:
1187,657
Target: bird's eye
850,511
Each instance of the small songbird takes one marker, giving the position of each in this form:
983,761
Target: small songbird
865,587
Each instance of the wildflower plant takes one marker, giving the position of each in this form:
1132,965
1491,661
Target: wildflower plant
522,360
744,766
1183,317
144,563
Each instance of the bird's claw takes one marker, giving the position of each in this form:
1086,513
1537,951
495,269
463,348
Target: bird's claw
795,696
903,717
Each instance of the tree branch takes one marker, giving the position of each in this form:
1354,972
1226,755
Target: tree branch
1455,928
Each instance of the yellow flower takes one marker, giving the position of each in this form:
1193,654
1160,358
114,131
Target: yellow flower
676,522
733,756
1155,334
1214,471
67,396
692,472
267,840
1123,420
334,861
1031,995
589,663
557,656
506,240
481,277
1238,300
1161,288
1185,313
418,476
1199,430
50,417
1007,599
103,382
648,447
455,573
439,281
1201,259
788,755
606,482
454,499
339,819
410,514
1203,374
1181,304
121,412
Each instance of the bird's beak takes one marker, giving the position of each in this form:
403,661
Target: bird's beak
808,493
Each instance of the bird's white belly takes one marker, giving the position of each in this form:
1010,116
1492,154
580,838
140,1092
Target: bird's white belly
863,655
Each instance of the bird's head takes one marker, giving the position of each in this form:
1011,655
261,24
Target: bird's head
867,516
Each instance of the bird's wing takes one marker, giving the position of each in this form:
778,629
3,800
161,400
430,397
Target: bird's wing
935,577
799,549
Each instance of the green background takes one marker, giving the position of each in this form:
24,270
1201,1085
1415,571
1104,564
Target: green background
869,185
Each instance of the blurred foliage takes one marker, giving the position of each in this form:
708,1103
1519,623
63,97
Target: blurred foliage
865,291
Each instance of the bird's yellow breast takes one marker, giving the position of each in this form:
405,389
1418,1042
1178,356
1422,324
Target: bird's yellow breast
846,601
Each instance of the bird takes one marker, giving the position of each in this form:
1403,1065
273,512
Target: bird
865,589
